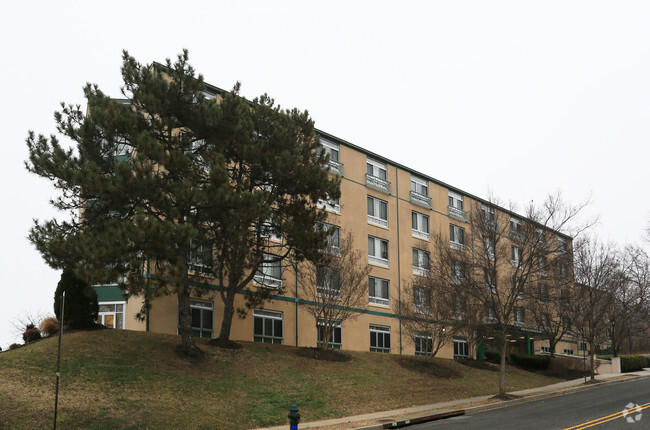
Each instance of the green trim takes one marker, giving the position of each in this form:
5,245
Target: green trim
110,293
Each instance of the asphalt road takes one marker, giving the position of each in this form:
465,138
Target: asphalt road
595,408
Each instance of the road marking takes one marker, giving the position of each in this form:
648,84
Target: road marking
605,419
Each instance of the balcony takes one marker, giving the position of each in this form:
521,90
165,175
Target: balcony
336,167
457,213
267,281
377,182
420,234
378,260
376,220
420,271
378,301
456,245
421,199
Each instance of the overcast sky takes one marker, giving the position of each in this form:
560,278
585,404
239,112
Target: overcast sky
515,99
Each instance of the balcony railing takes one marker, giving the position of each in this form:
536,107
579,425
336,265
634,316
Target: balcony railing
458,213
516,235
420,271
336,167
268,281
420,199
376,220
378,301
377,182
456,245
420,234
378,260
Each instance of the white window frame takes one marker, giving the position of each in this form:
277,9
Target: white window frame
201,306
328,282
378,285
456,205
332,205
456,237
519,317
516,229
333,239
333,149
490,315
264,275
375,204
376,168
419,185
515,255
379,331
488,248
419,225
423,344
461,348
336,337
545,348
101,316
196,262
266,231
568,351
488,214
264,337
457,271
378,257
421,301
421,264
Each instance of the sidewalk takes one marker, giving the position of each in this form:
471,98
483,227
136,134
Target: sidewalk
472,405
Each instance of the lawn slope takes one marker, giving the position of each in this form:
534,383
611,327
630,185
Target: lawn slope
121,379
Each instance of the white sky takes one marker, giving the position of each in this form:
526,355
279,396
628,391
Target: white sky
515,98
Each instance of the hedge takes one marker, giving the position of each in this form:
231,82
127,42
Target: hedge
538,362
630,363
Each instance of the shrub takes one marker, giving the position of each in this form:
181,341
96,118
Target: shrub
31,334
538,362
632,363
81,307
49,326
492,356
14,346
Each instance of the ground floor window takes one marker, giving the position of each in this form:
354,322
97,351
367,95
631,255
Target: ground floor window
582,346
546,349
267,326
202,317
568,351
379,338
111,314
334,341
423,345
461,348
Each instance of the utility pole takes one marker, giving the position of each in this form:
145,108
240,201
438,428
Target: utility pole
58,361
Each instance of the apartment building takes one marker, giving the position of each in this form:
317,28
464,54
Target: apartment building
394,212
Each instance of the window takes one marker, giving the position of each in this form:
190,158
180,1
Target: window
541,239
515,255
461,348
456,206
377,211
269,272
488,248
420,262
459,307
489,218
269,230
111,314
546,321
564,271
378,291
568,351
202,317
267,326
377,251
328,282
561,246
334,341
332,149
546,349
420,191
420,225
423,344
565,297
541,264
379,338
421,300
516,232
582,346
490,316
543,293
376,175
519,317
456,237
489,281
457,272
334,238
333,205
200,258
566,323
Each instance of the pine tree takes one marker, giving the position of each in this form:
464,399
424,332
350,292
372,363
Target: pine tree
165,174
81,306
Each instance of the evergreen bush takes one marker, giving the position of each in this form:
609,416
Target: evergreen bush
81,307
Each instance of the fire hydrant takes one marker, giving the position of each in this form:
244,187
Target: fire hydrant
294,417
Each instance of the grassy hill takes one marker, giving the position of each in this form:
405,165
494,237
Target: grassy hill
121,379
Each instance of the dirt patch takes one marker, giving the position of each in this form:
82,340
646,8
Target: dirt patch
228,344
432,368
482,365
323,354
195,355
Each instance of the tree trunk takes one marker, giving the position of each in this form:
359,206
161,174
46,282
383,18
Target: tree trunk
552,343
502,376
185,323
592,355
228,314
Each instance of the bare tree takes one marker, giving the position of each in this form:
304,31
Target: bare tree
336,285
494,258
598,275
431,312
